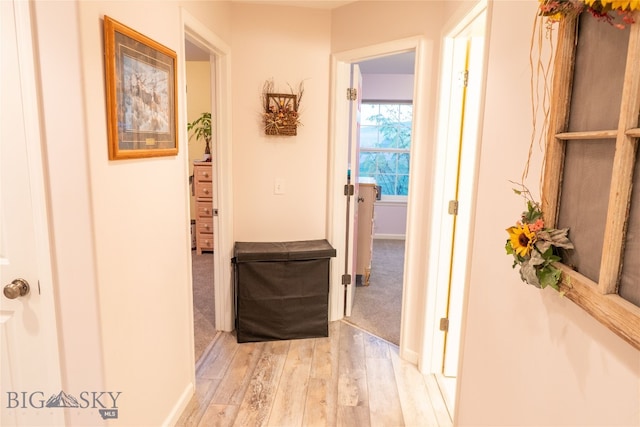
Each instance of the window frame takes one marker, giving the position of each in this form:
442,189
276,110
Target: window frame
393,199
599,299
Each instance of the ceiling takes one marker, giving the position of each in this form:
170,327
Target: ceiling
401,63
314,4
194,53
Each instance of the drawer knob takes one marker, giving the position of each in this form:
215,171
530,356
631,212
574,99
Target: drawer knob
205,191
206,174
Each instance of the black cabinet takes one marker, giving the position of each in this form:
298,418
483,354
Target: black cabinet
282,289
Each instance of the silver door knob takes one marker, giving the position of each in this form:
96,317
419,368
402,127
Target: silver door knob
17,288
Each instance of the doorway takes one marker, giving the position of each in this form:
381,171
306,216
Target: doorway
383,159
199,75
460,117
416,212
217,54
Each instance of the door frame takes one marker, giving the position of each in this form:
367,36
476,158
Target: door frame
199,34
419,176
437,295
39,214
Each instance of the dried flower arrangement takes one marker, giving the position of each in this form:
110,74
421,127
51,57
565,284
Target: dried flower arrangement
602,10
281,115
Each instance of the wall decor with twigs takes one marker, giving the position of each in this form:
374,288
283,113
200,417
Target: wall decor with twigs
281,114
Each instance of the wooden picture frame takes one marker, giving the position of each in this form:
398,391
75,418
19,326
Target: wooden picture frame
281,114
141,87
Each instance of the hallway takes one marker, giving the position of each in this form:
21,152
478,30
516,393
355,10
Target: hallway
350,378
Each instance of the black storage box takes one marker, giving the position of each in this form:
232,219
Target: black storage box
282,289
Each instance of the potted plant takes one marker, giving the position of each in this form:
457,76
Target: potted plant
201,129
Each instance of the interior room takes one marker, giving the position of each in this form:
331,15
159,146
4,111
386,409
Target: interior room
104,238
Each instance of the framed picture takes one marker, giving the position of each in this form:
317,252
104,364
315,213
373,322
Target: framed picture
141,94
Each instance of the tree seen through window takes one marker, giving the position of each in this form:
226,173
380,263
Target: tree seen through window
385,141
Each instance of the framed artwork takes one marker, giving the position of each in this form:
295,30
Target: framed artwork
141,86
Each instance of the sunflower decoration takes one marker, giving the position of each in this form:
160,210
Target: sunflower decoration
535,247
603,10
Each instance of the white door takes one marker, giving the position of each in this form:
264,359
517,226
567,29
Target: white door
352,204
29,360
469,53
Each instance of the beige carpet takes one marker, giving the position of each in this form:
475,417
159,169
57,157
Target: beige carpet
378,307
204,325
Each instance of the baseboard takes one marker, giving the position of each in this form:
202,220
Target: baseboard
180,406
389,236
409,355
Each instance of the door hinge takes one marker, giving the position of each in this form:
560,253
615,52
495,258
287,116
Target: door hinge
349,189
464,78
444,324
352,94
453,207
346,279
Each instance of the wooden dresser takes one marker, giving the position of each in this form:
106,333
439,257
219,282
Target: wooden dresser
367,193
203,191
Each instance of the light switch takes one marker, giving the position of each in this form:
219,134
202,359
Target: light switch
278,186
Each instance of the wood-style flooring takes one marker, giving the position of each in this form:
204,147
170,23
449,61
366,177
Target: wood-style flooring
350,378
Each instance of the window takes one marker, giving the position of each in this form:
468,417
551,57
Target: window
592,169
385,142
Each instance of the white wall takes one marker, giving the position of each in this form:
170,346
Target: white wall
387,87
69,186
530,357
289,45
120,228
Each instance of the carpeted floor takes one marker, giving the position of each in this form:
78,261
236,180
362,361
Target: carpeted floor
204,325
378,307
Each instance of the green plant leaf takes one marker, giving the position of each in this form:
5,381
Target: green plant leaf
509,248
549,276
201,127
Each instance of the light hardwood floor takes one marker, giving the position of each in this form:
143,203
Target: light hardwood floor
350,378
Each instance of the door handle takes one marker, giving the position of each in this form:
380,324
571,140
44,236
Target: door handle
17,288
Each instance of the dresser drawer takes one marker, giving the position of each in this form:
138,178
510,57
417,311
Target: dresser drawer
204,209
204,190
205,225
205,241
202,172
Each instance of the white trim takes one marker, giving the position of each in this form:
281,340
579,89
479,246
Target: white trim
338,144
389,237
385,201
336,202
410,356
180,406
198,32
432,356
34,136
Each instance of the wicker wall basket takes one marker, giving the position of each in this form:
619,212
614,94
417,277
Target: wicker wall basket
281,114
288,130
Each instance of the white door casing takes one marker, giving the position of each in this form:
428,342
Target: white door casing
354,173
29,354
223,222
460,254
420,179
456,156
